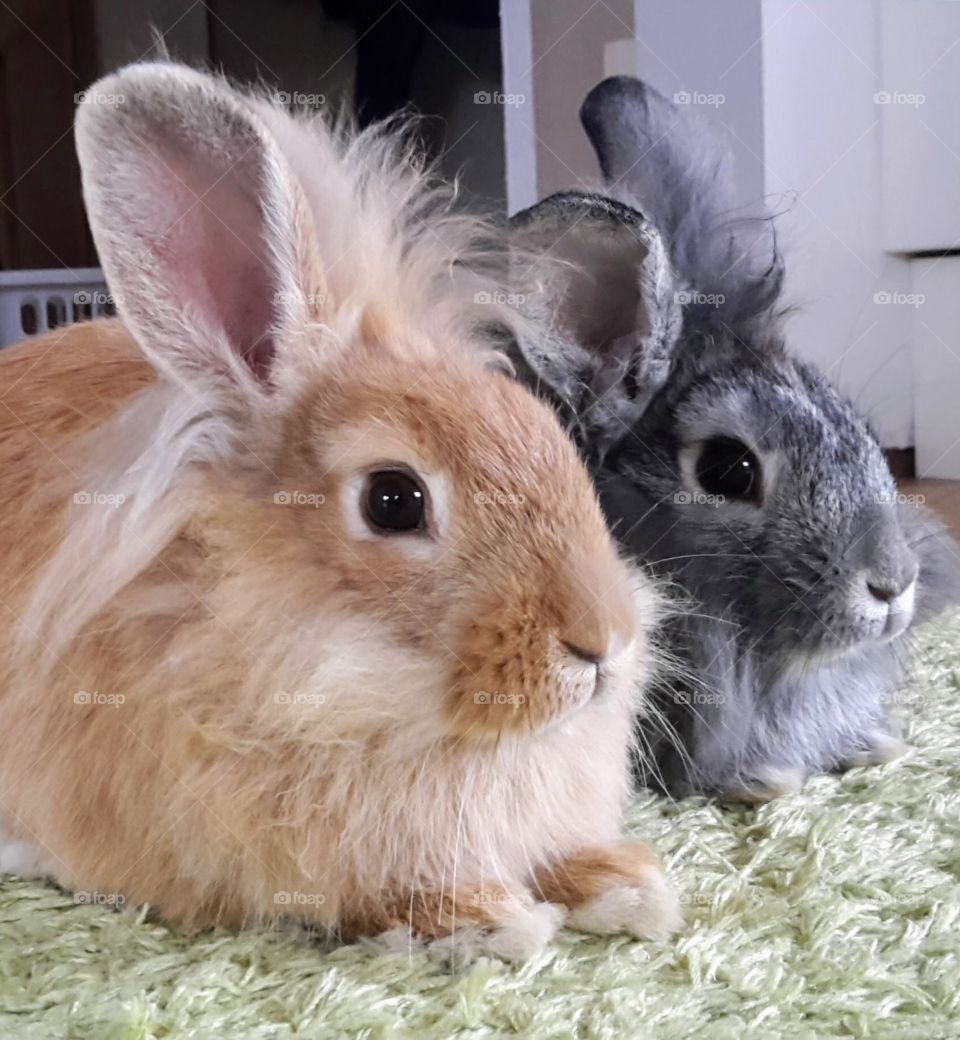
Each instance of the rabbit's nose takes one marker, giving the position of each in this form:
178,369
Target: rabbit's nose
886,590
596,647
596,619
598,636
890,585
588,655
587,659
889,567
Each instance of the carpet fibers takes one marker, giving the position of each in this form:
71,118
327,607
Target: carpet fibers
831,913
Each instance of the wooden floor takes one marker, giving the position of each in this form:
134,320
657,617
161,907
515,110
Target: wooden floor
942,496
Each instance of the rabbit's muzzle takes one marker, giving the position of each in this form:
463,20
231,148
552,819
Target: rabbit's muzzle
884,581
514,672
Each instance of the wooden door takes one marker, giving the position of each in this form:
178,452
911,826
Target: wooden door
47,50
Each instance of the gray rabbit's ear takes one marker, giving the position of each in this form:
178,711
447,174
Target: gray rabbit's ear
672,162
601,311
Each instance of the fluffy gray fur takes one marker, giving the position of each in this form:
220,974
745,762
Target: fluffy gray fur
656,327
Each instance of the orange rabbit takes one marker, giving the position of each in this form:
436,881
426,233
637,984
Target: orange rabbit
312,611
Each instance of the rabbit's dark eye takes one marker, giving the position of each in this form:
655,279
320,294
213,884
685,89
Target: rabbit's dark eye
728,468
394,501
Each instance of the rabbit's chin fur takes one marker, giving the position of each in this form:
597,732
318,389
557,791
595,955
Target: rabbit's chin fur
724,722
226,690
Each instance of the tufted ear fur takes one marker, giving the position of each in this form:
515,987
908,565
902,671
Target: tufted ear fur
201,227
595,281
672,163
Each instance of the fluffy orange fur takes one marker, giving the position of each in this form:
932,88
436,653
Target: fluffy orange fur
225,697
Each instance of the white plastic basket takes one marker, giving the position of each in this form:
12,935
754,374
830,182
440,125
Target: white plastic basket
32,302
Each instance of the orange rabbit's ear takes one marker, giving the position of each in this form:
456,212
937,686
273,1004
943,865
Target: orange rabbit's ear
201,227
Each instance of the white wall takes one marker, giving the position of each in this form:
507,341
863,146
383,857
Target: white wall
937,368
921,125
553,53
706,47
822,129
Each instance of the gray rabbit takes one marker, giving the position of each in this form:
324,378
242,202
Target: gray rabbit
731,469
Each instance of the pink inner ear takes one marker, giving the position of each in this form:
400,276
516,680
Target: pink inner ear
208,242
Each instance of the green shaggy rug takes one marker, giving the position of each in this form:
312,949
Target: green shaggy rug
831,913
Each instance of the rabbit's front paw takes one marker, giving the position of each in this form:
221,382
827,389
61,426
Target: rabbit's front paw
610,889
17,857
767,783
518,934
457,925
880,746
